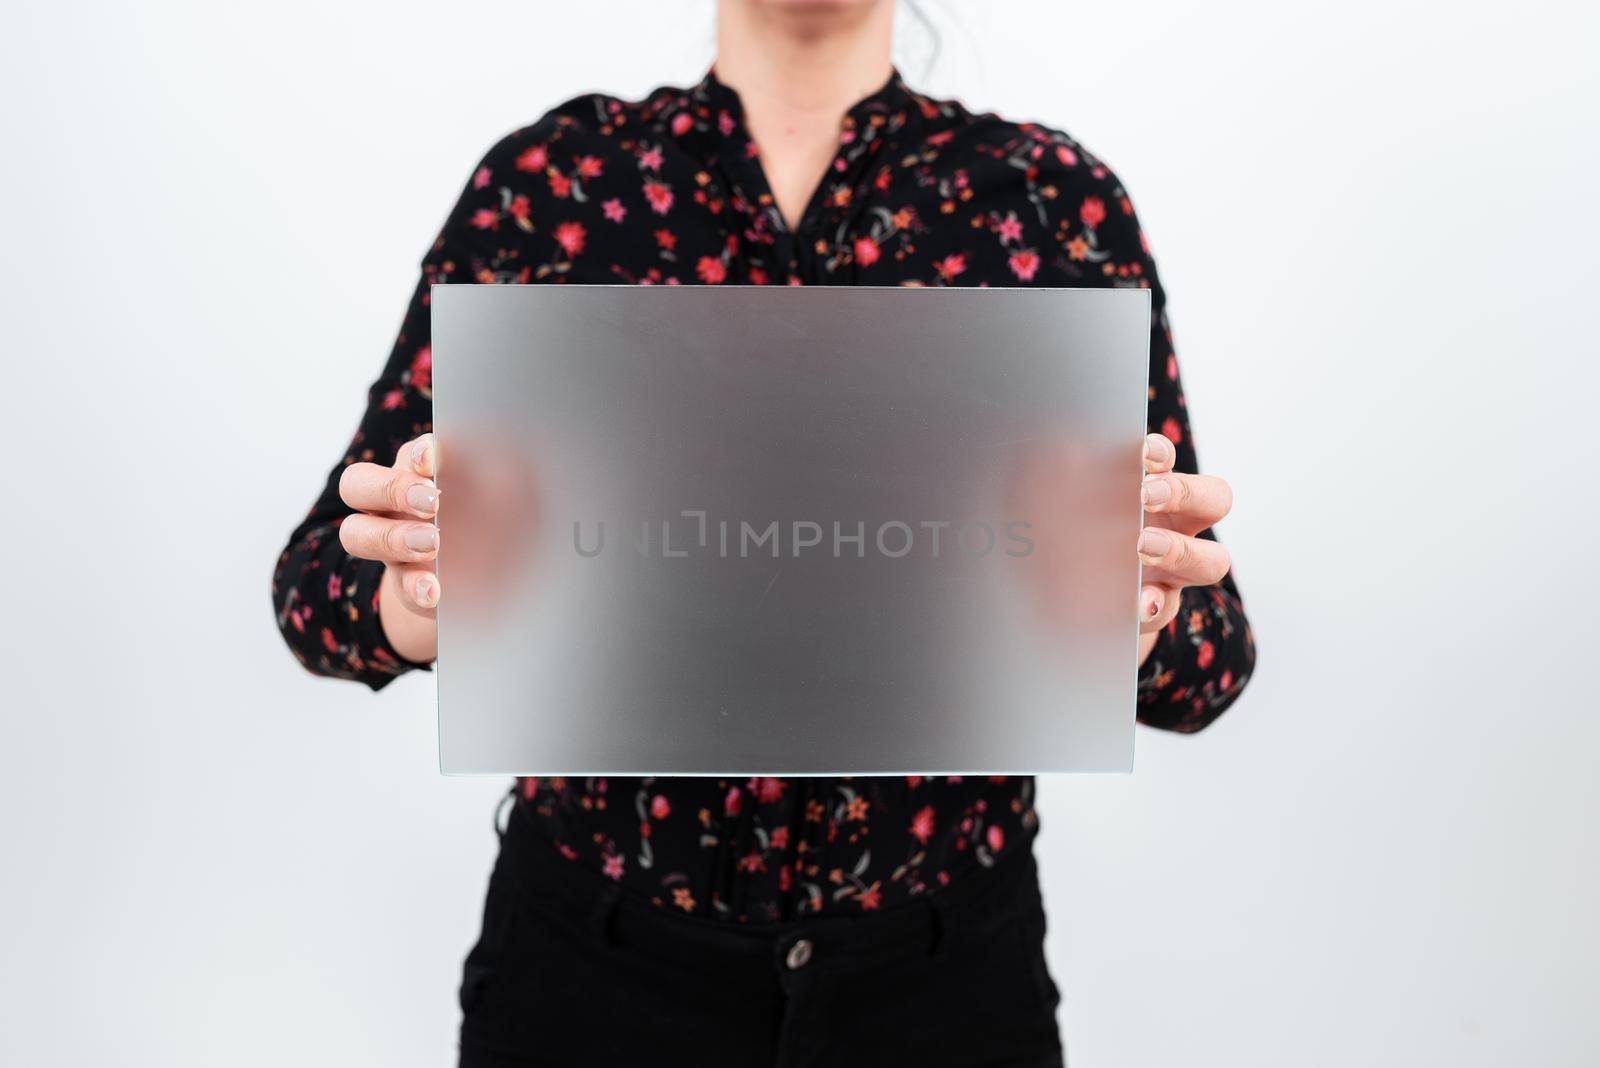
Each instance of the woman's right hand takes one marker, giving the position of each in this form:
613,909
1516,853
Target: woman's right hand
395,507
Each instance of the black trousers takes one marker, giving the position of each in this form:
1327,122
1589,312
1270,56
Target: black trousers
569,970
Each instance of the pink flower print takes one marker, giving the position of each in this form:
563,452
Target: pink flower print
570,235
659,196
1024,264
533,159
766,788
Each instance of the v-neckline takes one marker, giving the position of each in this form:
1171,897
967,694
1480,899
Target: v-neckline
737,142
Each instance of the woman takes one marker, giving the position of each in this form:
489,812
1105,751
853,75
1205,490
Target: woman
767,921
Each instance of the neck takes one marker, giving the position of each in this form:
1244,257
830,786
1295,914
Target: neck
803,59
798,69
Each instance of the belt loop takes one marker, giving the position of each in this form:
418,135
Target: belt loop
605,907
938,923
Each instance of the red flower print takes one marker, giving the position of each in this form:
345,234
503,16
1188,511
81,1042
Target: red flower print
484,219
480,178
660,807
866,251
589,167
614,210
612,866
870,898
530,786
731,802
533,159
766,788
779,839
570,235
922,824
334,585
996,837
659,196
1010,228
560,184
710,270
393,399
329,642
681,123
650,159
1093,212
1024,264
518,208
952,265
1171,430
422,368
913,781
1205,654
667,239
1066,156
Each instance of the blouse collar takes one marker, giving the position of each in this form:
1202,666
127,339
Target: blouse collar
892,96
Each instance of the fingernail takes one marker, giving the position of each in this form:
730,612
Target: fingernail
422,498
421,538
1155,607
1156,491
1154,543
425,588
419,452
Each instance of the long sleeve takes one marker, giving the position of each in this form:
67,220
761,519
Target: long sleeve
326,601
1204,657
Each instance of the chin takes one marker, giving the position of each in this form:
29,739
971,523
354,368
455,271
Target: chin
813,5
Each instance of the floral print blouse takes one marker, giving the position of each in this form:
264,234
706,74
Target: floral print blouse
670,191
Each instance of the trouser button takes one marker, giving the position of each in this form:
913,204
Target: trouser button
799,954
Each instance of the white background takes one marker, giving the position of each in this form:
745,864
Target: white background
1377,224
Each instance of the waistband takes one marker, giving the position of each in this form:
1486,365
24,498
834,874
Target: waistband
970,908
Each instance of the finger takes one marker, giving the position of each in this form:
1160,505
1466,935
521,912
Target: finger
1159,454
391,490
394,541
1201,500
420,456
1152,599
1187,560
420,584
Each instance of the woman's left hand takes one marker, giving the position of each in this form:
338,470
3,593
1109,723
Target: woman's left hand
1177,507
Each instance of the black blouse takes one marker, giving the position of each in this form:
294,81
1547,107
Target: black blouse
670,191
